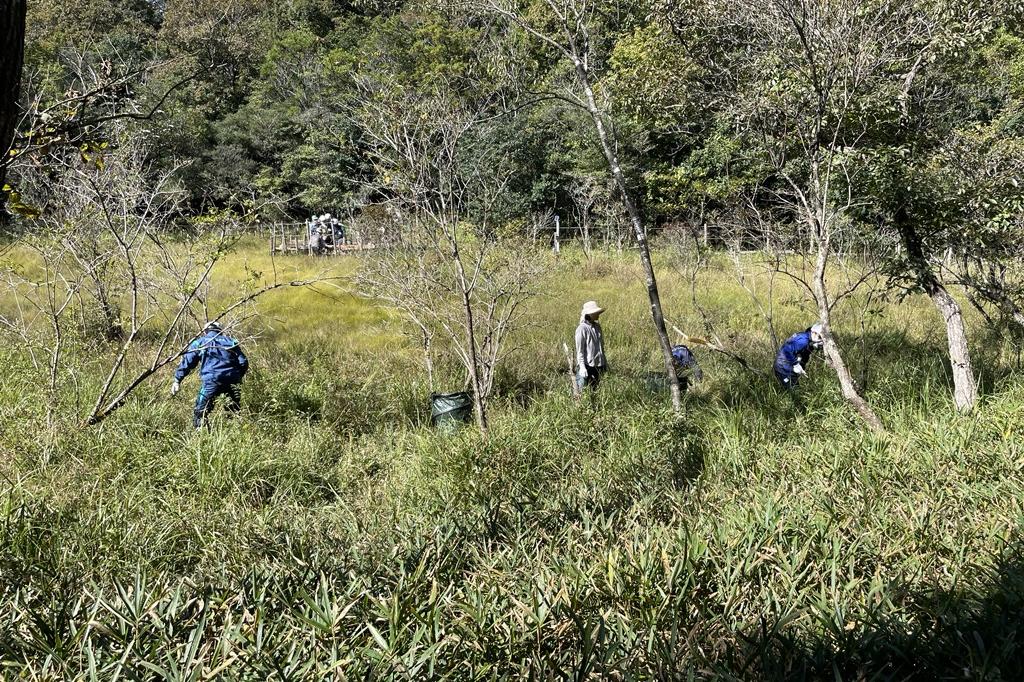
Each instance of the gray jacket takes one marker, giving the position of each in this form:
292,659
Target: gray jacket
590,346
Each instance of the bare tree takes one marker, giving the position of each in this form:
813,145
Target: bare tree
566,28
811,67
103,242
584,194
447,270
691,257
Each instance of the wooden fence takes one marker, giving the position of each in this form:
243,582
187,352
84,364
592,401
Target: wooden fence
294,238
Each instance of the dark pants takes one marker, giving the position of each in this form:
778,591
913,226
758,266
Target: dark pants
589,377
787,377
209,391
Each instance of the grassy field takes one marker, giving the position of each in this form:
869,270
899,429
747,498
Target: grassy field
332,534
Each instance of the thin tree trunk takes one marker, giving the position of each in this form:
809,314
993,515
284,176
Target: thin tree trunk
112,328
12,37
474,373
474,363
965,385
641,234
832,351
849,388
427,359
55,359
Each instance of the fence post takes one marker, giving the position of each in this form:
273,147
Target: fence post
556,247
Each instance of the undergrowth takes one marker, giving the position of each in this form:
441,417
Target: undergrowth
330,533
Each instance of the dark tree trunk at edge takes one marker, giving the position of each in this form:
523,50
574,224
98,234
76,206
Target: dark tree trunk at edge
12,37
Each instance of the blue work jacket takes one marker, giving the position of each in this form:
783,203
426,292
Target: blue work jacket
796,351
219,358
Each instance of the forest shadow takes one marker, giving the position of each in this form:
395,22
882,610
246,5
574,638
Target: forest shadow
938,635
891,356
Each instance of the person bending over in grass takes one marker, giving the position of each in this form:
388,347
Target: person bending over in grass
222,366
795,354
687,369
590,360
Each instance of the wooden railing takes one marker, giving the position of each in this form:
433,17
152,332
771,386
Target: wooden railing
295,238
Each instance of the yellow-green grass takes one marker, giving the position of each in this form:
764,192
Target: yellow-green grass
330,527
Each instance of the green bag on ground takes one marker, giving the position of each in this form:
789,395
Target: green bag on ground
448,410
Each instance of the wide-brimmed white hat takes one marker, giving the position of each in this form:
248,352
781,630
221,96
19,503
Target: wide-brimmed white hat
818,330
592,308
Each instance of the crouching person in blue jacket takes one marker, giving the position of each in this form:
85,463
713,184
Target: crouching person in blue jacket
222,366
795,354
687,369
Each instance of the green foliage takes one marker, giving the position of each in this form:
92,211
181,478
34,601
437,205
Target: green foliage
654,82
109,28
716,174
330,531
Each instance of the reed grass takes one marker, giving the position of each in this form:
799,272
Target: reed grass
330,533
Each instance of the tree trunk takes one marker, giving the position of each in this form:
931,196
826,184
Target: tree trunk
474,366
653,294
965,386
846,383
832,351
12,37
427,359
479,405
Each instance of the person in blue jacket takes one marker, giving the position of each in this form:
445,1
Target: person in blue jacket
795,354
222,366
687,369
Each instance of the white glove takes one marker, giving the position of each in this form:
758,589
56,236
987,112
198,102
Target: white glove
798,369
175,387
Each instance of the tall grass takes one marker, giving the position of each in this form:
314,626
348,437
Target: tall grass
331,534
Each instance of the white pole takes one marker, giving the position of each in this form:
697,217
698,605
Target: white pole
556,247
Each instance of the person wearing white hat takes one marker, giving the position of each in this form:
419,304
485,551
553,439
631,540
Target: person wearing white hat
590,359
796,353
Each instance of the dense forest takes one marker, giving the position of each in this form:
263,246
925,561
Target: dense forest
711,105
